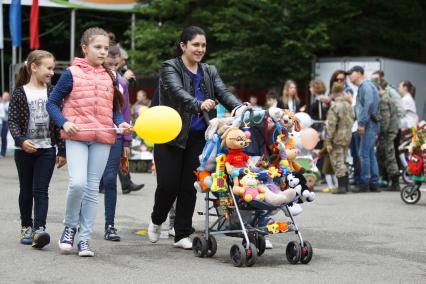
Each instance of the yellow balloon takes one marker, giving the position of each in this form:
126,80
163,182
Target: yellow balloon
142,110
158,125
148,143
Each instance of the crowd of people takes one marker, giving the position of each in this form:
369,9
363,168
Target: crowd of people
368,122
84,121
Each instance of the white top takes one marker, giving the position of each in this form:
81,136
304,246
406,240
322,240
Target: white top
38,125
410,113
291,105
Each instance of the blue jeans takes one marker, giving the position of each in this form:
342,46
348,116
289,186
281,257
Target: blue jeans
354,146
86,164
369,172
34,172
110,181
4,129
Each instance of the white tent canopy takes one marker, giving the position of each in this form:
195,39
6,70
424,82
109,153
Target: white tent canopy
83,4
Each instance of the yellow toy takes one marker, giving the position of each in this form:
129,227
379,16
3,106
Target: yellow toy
250,188
219,184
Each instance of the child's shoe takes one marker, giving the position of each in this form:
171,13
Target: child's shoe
329,190
111,234
184,243
40,238
268,244
84,249
154,232
67,239
26,237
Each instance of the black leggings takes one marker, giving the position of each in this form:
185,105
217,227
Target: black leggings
34,171
175,180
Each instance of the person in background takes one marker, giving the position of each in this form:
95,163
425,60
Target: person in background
340,119
367,116
390,92
272,99
127,74
389,125
120,149
319,107
4,105
339,76
253,102
290,98
142,100
408,91
127,185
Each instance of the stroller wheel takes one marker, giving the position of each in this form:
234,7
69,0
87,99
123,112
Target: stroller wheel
307,252
199,246
410,194
211,246
251,255
238,255
260,244
293,252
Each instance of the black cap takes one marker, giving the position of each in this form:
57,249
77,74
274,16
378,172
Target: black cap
356,68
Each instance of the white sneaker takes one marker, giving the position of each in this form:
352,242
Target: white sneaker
185,243
154,232
172,232
268,244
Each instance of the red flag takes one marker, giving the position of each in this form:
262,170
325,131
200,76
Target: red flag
34,42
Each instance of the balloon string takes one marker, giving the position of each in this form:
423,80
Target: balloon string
98,129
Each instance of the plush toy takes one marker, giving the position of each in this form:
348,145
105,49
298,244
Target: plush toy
292,151
278,198
235,140
217,125
297,182
290,121
204,181
250,188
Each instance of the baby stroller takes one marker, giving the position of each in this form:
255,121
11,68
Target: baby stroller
411,193
235,217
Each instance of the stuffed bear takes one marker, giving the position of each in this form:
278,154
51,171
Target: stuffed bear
297,182
235,140
250,188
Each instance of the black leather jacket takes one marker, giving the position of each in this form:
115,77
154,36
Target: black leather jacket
176,91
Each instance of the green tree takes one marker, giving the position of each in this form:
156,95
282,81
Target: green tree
255,43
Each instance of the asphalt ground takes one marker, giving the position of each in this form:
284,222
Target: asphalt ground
356,238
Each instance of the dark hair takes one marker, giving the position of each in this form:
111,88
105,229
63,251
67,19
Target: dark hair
272,94
381,73
334,77
35,56
187,34
410,87
86,38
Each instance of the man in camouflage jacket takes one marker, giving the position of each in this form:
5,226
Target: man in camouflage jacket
340,119
389,126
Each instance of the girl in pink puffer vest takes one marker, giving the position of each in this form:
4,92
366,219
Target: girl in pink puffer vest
91,107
